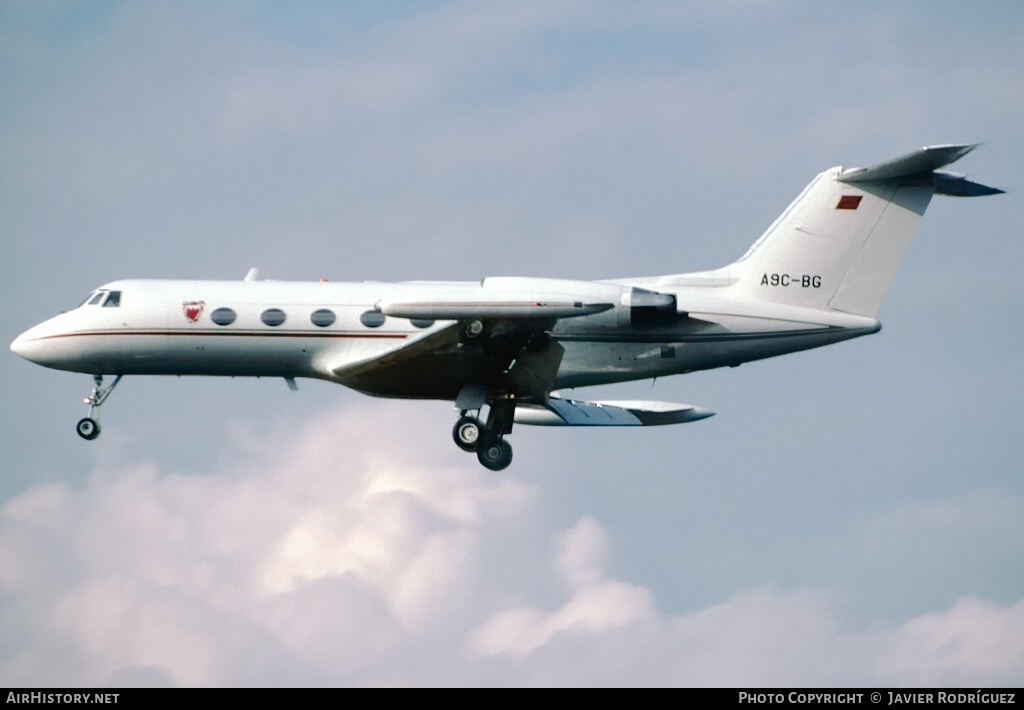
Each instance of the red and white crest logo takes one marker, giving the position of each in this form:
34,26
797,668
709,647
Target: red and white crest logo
193,309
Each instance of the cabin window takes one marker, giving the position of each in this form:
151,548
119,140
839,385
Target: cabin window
322,317
113,300
372,319
421,322
223,316
273,316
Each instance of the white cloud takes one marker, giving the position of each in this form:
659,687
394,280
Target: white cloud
324,556
975,642
597,604
581,553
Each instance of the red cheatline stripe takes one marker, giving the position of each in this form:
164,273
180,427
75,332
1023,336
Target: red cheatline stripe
228,333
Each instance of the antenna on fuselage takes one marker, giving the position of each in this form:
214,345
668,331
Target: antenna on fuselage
253,274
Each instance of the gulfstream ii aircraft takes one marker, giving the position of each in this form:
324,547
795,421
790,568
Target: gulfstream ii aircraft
817,276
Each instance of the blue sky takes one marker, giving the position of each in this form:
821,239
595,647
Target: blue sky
854,515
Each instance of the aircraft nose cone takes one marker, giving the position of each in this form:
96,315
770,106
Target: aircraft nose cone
20,346
29,346
45,345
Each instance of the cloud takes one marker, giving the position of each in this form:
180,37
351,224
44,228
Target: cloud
975,639
597,604
322,555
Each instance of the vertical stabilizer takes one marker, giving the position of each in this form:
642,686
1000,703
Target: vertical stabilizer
869,276
838,246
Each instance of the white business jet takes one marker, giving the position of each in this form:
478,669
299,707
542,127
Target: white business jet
817,276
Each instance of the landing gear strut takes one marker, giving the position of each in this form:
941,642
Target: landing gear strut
88,427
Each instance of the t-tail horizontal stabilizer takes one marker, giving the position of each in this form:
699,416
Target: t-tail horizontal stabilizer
922,168
570,412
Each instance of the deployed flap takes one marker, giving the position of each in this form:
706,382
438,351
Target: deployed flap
534,371
569,412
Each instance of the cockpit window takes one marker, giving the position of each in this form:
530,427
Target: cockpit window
108,299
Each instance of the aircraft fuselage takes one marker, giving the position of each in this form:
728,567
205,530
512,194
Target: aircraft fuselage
314,329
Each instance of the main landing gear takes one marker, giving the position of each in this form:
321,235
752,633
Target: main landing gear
88,427
487,440
467,432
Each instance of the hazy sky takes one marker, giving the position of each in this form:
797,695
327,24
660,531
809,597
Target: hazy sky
853,515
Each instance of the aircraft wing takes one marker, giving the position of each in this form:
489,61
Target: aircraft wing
428,344
569,412
517,352
498,336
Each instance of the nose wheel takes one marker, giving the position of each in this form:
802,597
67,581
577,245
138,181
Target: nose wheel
89,428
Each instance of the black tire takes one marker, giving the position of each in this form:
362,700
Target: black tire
495,455
466,433
88,428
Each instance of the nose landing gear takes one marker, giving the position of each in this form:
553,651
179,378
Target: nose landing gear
89,428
